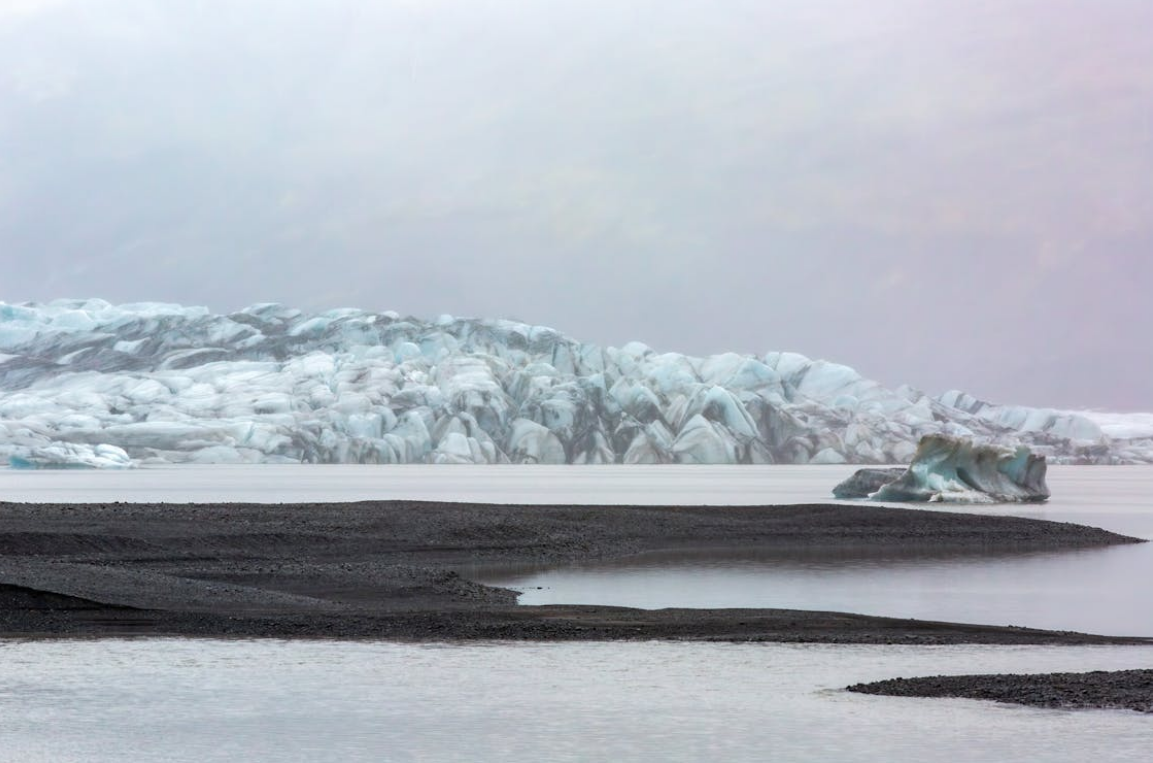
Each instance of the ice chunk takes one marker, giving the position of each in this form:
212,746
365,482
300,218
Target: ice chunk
407,351
531,443
827,456
958,471
704,442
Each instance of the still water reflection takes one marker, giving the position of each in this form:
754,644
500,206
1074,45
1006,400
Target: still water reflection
1097,590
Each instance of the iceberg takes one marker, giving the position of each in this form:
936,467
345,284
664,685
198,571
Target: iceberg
954,470
273,384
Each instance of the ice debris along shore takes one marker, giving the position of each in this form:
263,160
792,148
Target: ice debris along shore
954,470
173,384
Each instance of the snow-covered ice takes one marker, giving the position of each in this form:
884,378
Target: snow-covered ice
270,383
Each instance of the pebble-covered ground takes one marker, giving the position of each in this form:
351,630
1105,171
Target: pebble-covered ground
1118,690
392,570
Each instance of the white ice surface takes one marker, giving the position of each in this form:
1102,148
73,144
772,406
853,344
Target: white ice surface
1122,426
173,384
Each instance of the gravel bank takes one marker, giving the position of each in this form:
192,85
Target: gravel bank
1116,690
391,570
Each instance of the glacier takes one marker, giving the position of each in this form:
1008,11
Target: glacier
168,383
69,455
955,470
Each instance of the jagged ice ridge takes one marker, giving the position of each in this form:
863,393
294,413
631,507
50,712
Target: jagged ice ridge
175,384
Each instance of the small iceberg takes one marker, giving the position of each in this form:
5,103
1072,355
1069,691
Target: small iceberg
70,455
955,470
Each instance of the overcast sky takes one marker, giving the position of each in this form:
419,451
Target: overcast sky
946,193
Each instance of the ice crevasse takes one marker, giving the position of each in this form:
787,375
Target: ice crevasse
82,381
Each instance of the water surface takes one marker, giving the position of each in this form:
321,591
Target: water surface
1095,591
265,483
190,700
206,701
1102,590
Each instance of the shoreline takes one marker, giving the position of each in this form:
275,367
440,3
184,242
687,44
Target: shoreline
390,570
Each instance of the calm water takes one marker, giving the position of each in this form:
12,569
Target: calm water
204,701
652,485
188,700
1098,590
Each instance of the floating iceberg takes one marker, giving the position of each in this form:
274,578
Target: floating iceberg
953,470
272,384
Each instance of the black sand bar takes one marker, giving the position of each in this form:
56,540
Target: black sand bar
392,570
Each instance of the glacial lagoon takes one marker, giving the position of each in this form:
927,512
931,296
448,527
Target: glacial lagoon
193,700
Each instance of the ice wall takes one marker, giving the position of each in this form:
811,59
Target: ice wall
269,383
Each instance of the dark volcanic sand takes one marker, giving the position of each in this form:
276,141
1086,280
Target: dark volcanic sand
388,570
1118,690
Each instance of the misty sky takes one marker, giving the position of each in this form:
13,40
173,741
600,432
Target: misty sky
947,193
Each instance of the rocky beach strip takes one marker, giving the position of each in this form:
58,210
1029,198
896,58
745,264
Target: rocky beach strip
399,570
1106,690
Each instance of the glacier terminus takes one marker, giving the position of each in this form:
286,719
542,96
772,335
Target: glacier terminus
89,383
